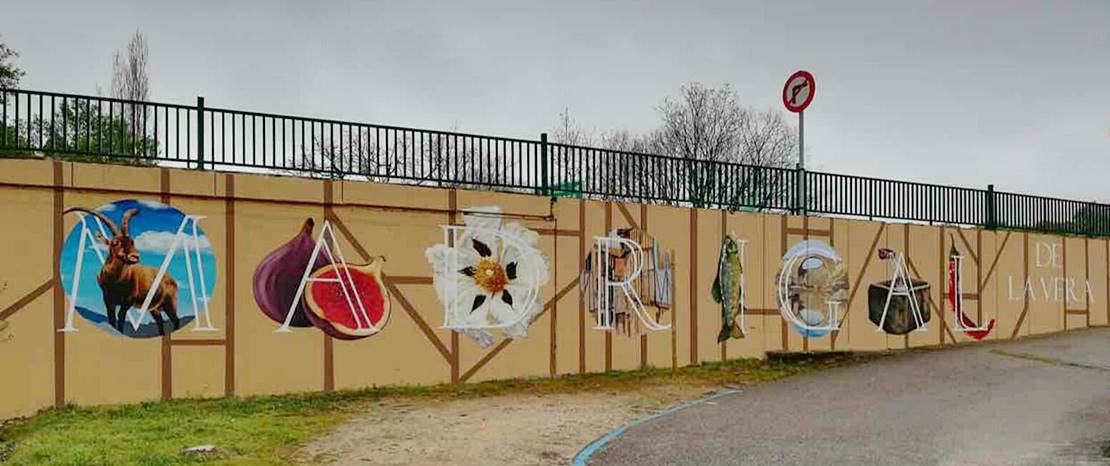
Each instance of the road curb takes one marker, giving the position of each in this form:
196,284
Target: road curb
586,452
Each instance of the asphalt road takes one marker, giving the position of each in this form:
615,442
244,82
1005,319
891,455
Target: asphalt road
1036,401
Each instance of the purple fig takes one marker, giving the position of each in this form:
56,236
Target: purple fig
278,276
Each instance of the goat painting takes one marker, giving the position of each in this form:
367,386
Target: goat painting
126,283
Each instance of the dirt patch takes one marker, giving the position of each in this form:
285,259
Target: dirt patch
530,421
546,429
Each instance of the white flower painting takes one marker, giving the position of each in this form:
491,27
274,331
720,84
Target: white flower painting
488,275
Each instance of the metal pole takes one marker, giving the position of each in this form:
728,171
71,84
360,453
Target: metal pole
545,182
801,172
801,140
992,220
796,202
200,133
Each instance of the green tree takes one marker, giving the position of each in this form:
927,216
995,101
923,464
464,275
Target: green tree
13,141
84,130
10,136
109,131
1092,219
92,134
9,72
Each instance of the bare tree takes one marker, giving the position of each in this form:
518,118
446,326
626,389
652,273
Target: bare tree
597,163
130,80
702,123
404,156
768,141
711,131
610,165
477,164
352,153
568,131
626,141
703,145
566,156
636,173
325,158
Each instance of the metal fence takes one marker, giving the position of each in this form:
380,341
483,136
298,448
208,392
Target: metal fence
89,128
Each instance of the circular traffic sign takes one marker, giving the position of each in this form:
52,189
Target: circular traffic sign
798,91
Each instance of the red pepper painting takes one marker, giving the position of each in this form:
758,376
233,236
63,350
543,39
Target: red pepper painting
955,298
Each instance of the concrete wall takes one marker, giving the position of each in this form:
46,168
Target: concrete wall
248,216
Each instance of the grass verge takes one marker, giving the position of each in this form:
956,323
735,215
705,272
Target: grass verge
268,430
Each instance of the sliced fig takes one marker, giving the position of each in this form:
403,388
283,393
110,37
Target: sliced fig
278,276
332,304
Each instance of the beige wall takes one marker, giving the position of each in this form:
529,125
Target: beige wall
247,216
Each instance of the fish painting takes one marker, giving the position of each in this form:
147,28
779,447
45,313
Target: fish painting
728,289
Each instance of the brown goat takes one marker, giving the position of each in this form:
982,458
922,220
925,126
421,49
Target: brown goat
124,282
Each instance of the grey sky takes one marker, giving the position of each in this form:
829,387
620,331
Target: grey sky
1016,93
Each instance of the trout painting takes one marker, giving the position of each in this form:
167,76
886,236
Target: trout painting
728,289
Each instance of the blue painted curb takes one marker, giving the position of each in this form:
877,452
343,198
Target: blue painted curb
584,454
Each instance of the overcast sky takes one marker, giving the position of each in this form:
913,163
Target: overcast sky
1014,93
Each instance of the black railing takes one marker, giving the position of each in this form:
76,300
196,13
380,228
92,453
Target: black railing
873,197
34,123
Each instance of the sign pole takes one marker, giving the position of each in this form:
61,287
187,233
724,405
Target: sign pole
801,140
801,163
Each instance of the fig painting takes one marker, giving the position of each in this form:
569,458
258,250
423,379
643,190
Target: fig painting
137,268
307,282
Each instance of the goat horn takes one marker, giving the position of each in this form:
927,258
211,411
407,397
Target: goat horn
103,218
127,220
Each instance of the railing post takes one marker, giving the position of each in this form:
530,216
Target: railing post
799,204
545,179
803,198
1100,219
200,133
1099,211
794,195
992,222
1088,223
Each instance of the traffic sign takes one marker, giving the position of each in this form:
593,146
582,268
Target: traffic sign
798,91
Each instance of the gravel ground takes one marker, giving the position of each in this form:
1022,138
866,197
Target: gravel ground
498,430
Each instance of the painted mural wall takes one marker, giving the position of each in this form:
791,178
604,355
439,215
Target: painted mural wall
125,284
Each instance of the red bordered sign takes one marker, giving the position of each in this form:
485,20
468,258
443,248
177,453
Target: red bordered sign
798,91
